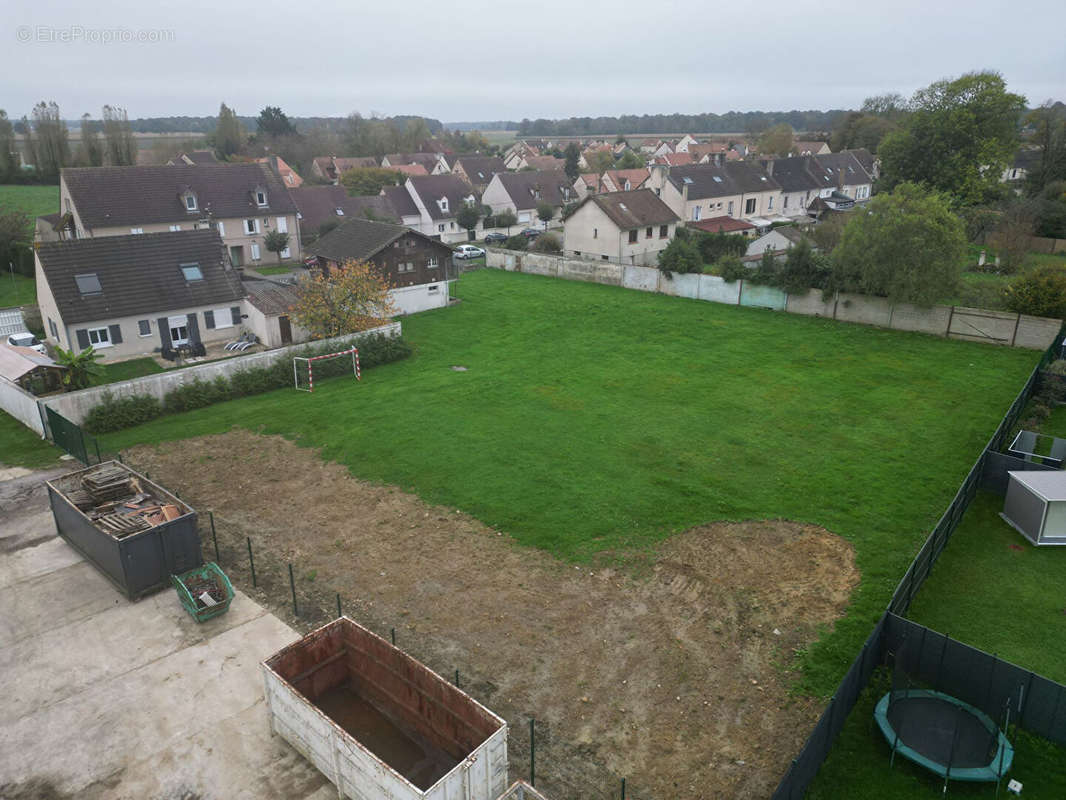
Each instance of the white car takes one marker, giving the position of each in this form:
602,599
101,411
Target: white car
26,340
468,251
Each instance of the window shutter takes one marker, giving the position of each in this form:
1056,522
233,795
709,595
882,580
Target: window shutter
164,332
115,332
209,319
235,312
194,329
83,337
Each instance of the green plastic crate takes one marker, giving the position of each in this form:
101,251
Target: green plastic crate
209,571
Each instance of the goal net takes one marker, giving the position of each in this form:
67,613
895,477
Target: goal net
306,369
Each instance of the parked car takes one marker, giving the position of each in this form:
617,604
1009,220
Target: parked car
468,251
495,237
310,261
26,340
531,233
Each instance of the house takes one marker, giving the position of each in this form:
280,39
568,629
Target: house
713,153
134,294
804,178
624,180
404,210
194,157
515,155
267,306
810,148
318,205
478,170
844,173
432,163
674,159
737,189
778,239
438,199
723,224
330,168
410,169
33,371
684,143
522,192
1025,161
539,163
282,170
418,267
587,183
243,202
623,227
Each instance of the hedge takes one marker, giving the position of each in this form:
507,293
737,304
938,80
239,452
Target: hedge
115,413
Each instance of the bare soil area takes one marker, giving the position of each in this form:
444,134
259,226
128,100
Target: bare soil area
670,671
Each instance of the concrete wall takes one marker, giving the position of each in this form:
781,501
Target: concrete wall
21,405
955,322
423,297
75,405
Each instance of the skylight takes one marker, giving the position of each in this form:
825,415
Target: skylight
623,206
88,283
191,272
717,179
340,212
686,180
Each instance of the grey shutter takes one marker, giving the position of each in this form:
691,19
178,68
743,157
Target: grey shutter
209,319
115,332
83,338
194,329
235,312
164,332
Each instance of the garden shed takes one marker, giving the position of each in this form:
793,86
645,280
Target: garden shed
1036,505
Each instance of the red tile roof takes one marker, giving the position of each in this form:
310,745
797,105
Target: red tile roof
721,225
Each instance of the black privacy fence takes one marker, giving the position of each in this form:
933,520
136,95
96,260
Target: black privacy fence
886,636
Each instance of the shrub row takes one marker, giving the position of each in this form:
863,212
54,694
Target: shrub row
115,413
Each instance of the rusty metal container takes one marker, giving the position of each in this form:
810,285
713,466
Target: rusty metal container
378,723
138,563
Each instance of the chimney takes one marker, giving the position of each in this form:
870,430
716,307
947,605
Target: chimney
770,168
840,179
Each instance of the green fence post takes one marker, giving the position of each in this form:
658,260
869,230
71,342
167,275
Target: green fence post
339,614
623,789
457,679
96,443
214,536
292,585
532,754
251,561
393,632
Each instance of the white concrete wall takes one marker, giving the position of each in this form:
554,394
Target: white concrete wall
21,405
75,405
412,299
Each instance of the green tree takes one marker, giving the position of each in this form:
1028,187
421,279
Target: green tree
276,241
681,255
803,269
15,238
547,243
827,233
545,212
731,268
857,130
353,296
629,160
958,138
53,140
506,219
229,135
90,150
81,367
272,121
776,141
573,154
1010,237
1049,122
30,155
9,157
906,245
118,138
363,181
599,161
1040,292
468,216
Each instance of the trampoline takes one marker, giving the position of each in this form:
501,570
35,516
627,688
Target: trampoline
943,734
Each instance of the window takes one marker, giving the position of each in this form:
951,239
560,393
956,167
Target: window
440,228
340,212
144,327
98,337
174,228
696,211
136,230
192,272
749,206
255,252
88,283
730,211
221,229
260,197
405,266
286,253
443,203
433,289
633,237
664,231
603,258
770,205
786,201
251,226
190,202
179,329
432,263
53,329
647,232
223,317
595,233
283,225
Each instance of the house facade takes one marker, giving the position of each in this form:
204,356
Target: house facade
432,163
242,202
804,179
478,170
736,189
624,180
135,294
623,227
417,267
521,193
329,169
438,199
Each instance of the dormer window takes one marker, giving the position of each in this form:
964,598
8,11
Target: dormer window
443,203
190,201
260,197
628,185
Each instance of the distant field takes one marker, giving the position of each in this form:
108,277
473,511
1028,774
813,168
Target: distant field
31,200
501,138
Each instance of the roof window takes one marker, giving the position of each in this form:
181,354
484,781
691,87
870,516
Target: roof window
88,283
192,272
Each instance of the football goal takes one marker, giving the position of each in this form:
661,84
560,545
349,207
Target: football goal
305,368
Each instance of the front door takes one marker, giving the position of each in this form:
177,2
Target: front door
286,329
236,256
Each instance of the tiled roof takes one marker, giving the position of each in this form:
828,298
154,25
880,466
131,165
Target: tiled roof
480,169
674,159
708,180
120,196
138,274
400,201
636,177
317,204
270,297
527,189
543,163
721,225
409,169
287,174
634,209
18,361
359,239
432,188
427,160
797,173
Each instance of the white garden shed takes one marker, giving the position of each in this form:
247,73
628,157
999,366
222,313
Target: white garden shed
1036,505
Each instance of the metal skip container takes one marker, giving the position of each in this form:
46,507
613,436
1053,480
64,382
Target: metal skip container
380,724
134,531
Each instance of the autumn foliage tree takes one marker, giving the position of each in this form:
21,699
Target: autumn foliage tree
350,297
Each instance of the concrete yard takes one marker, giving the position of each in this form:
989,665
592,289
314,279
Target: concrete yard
104,698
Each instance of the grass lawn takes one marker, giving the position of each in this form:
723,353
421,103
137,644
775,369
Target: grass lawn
593,420
17,291
21,447
33,201
858,767
276,269
988,594
126,370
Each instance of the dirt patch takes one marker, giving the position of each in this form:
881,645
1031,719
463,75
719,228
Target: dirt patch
672,674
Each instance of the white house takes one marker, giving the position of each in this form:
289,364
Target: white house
623,227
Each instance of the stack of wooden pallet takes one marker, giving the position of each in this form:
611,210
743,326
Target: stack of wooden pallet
113,499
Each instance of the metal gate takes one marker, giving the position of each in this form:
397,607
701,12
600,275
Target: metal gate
67,435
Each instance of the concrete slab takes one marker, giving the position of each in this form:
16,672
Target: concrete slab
48,555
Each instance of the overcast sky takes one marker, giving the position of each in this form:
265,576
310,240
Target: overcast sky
493,59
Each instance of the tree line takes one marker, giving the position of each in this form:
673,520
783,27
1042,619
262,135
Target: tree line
731,122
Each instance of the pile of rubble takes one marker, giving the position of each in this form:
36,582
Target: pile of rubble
117,504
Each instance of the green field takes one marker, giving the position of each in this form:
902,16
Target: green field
594,420
33,201
16,290
21,447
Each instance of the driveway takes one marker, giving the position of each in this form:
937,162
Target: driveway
105,698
